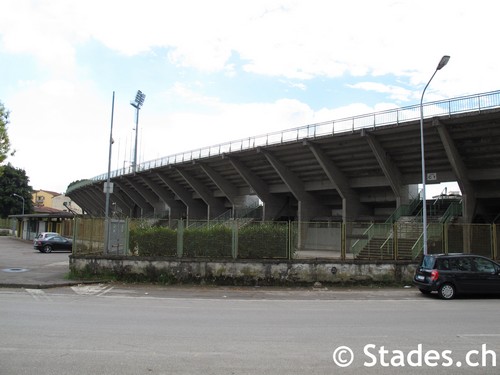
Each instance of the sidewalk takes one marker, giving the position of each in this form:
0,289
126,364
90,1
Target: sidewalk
21,266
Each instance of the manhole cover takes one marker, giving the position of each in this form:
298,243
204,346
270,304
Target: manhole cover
15,270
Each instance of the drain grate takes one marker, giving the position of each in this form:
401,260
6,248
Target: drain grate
15,270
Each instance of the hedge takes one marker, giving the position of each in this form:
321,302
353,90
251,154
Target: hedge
254,241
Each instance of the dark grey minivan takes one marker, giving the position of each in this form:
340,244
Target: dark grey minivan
452,274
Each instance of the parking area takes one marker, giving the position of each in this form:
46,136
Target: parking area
24,267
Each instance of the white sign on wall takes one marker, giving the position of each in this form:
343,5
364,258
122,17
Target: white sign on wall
431,176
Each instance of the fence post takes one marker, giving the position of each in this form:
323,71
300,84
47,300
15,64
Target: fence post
494,240
92,226
492,248
234,239
127,236
445,238
343,240
289,244
75,237
395,235
180,238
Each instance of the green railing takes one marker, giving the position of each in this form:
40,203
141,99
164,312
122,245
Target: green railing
434,235
375,230
360,243
454,210
404,210
387,248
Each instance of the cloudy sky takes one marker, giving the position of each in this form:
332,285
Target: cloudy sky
216,71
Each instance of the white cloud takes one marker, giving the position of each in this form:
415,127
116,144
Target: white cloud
292,40
58,130
399,94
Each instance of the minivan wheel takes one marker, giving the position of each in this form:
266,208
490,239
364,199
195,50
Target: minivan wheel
47,249
447,291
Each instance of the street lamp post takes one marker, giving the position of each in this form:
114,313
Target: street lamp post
444,60
137,104
108,186
20,197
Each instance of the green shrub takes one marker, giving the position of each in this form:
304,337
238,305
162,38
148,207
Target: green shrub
154,241
210,242
256,241
263,241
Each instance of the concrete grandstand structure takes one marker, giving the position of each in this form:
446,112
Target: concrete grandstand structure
355,169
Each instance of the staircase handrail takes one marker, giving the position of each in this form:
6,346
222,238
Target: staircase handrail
387,242
375,229
360,243
246,212
454,210
226,215
404,210
417,248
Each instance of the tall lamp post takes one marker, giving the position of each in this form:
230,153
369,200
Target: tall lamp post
444,60
137,104
18,196
108,186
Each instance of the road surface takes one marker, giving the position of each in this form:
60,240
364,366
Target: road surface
136,329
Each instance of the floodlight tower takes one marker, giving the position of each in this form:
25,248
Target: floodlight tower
137,104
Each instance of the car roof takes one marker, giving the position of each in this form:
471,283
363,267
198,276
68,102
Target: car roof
460,255
453,255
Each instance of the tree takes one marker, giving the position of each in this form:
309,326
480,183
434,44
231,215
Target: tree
4,137
14,181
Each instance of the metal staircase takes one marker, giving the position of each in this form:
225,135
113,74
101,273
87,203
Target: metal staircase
400,237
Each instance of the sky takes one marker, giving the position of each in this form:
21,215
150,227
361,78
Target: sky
217,71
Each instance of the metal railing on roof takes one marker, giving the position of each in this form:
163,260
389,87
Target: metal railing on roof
470,103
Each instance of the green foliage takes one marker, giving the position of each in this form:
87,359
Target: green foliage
14,181
211,242
257,241
154,241
267,240
4,137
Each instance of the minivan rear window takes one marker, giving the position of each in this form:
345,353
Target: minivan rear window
428,262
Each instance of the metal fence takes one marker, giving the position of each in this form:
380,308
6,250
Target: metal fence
88,236
239,239
471,103
8,224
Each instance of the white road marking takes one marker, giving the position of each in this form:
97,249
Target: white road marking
38,294
91,290
480,335
66,263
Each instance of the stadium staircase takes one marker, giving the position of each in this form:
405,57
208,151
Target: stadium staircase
400,237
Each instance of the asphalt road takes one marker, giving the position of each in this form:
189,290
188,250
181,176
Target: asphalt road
143,329
22,265
126,329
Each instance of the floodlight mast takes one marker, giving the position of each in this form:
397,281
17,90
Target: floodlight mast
137,104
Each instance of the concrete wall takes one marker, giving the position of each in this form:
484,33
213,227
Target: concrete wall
244,272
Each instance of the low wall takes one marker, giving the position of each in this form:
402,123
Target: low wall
243,272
